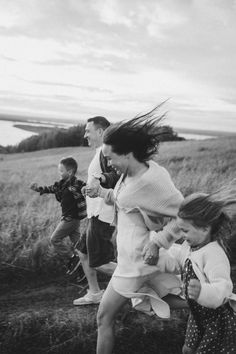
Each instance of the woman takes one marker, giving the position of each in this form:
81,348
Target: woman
145,199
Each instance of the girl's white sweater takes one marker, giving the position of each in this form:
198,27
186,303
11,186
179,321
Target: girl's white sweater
211,266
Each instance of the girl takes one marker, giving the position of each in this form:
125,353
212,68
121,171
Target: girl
205,225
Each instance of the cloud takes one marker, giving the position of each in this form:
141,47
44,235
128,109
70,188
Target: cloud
119,56
110,12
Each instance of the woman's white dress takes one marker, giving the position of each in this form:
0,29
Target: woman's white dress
142,207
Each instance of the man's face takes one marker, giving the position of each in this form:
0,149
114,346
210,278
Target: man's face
93,134
118,162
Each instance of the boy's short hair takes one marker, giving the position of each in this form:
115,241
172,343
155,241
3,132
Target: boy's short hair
69,163
99,122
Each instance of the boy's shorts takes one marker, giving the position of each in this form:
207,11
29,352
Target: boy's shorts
97,242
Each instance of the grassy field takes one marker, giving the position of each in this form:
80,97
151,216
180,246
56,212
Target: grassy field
36,304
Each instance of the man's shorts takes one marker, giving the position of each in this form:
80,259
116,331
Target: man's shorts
97,242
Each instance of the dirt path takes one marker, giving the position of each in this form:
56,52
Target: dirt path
38,316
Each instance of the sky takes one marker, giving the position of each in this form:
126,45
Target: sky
73,59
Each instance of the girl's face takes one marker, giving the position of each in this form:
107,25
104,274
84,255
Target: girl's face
192,234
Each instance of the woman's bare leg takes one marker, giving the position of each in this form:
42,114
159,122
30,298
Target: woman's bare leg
110,305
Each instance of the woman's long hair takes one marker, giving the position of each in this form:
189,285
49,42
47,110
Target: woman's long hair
217,210
140,135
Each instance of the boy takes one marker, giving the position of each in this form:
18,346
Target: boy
68,192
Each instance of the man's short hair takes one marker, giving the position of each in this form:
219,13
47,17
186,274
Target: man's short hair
99,122
69,163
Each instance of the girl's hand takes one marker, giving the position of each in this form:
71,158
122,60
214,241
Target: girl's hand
194,289
150,253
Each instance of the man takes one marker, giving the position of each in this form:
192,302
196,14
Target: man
98,250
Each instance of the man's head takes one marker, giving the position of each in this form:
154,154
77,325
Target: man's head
94,130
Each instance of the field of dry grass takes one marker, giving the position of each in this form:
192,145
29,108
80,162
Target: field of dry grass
44,318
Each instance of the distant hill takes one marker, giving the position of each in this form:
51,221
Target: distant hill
51,137
37,119
204,132
60,121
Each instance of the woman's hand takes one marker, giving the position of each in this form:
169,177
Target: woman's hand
151,253
194,289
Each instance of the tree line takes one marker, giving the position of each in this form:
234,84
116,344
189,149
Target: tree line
73,136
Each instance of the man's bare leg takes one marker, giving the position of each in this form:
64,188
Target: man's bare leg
90,273
107,268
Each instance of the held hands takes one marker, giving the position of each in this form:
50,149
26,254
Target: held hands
92,187
150,253
194,289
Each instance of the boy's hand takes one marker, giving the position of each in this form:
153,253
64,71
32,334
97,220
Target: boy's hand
34,186
83,191
194,289
73,189
150,253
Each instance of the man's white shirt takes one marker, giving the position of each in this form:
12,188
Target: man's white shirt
97,206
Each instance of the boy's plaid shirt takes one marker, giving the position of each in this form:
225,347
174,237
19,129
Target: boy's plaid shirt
73,185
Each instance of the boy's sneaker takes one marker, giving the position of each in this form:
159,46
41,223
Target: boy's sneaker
73,264
89,298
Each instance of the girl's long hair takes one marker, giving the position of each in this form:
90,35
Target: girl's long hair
140,135
217,210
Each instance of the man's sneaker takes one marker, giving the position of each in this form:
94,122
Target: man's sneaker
73,264
89,298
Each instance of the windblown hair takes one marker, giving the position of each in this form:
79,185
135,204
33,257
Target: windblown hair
99,122
69,163
140,135
217,210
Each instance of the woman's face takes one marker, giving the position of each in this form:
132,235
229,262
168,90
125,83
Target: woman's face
194,235
118,162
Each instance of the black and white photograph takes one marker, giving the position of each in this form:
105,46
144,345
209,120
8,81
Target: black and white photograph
104,103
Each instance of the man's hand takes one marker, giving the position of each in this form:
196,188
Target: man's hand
34,186
194,289
151,253
92,187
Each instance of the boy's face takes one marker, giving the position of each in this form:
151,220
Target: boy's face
63,172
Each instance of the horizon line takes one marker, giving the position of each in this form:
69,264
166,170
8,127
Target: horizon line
40,119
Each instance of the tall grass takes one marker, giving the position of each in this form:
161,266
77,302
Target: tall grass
27,217
43,320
